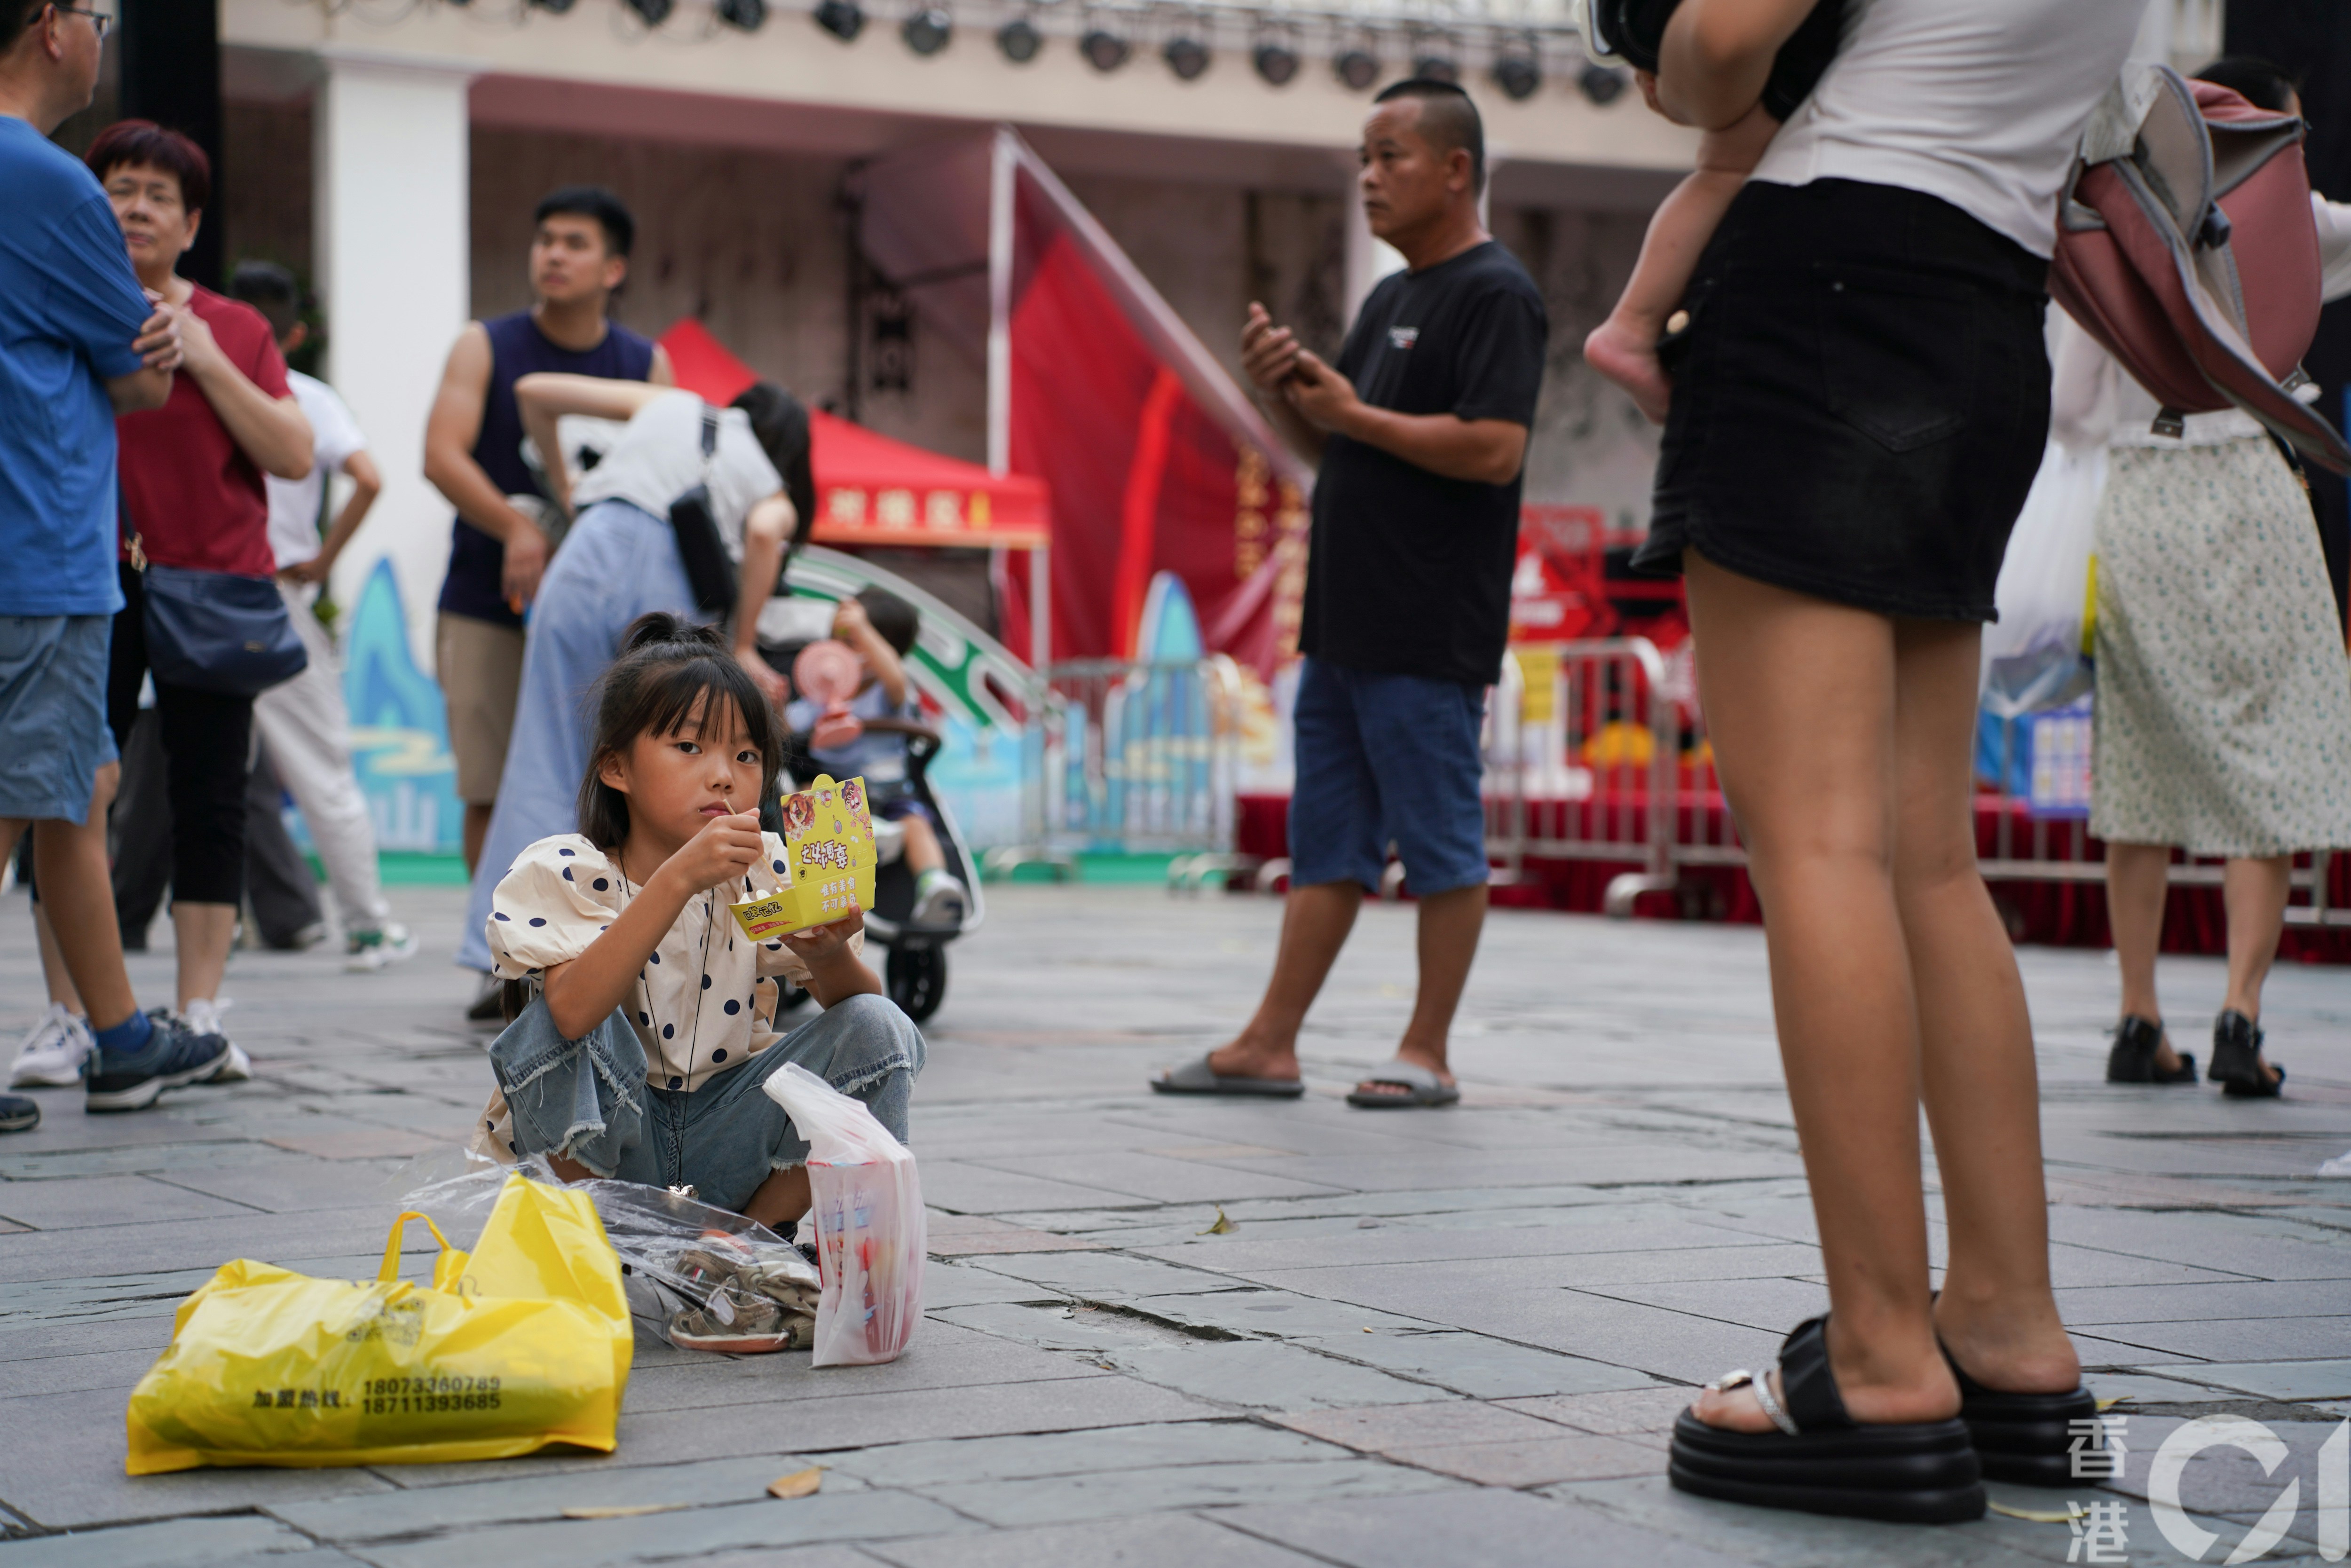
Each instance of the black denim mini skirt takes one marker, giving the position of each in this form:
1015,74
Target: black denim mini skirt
1861,400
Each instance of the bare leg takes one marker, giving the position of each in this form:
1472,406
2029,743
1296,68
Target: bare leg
1983,1094
204,933
922,852
476,829
1449,927
1314,925
2255,893
78,897
1802,699
54,973
2137,879
782,1199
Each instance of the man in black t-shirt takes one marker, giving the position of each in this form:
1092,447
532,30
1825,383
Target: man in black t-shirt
1420,435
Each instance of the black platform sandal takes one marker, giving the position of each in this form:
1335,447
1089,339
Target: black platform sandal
2022,1437
2132,1060
2236,1059
1820,1460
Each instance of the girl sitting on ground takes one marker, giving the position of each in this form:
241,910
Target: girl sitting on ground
1624,347
643,1055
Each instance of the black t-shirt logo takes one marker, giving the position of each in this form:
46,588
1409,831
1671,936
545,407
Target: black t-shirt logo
1404,337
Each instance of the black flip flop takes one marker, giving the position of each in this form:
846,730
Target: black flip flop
1820,1460
2022,1437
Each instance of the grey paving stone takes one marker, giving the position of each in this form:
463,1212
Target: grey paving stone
942,1355
1158,1540
1159,1178
1382,1427
95,1201
2278,1339
1265,1375
1480,1366
1053,1500
826,1556
302,1182
1534,1461
1781,1539
1492,1529
1059,1326
1271,1313
2101,1308
858,1516
962,1188
963,1284
919,1466
181,1543
520,1496
1103,1275
1633,1412
2285,1380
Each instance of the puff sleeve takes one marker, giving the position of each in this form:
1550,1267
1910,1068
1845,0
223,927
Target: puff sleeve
557,899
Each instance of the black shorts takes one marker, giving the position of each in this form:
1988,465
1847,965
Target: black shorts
1861,400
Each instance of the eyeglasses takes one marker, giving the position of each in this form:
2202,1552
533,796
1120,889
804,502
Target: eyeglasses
100,21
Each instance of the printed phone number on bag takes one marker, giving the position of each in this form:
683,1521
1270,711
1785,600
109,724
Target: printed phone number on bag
427,1395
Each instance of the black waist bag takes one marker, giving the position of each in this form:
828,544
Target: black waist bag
218,632
709,567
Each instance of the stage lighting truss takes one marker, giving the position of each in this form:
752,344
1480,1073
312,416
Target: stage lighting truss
844,19
928,30
1019,41
1187,51
1276,58
745,16
1105,48
1518,67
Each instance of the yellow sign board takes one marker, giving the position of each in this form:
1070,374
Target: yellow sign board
828,854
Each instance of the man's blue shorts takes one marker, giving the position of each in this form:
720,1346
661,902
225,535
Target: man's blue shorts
1381,759
53,732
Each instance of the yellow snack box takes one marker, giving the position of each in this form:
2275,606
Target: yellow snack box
829,853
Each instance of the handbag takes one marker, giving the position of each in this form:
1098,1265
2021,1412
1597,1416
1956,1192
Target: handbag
215,631
709,567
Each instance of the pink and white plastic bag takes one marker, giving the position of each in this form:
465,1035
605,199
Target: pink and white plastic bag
870,1236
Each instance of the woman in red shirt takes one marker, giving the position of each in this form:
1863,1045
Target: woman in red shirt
193,497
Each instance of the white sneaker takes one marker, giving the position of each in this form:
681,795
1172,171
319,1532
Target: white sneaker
380,948
203,1016
939,900
56,1054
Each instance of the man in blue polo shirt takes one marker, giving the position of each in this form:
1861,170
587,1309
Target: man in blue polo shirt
79,343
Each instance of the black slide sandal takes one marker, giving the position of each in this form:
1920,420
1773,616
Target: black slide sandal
2022,1437
1820,1460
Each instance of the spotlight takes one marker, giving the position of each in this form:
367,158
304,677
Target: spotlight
1104,50
1186,56
1277,63
844,19
1020,40
653,12
749,16
1517,71
1600,84
556,7
1437,67
927,31
1358,68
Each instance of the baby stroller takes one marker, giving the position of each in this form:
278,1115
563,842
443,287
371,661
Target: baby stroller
917,972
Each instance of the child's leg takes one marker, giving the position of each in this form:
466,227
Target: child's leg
1624,347
922,852
581,1102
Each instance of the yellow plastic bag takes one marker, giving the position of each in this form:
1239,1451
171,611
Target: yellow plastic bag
523,1343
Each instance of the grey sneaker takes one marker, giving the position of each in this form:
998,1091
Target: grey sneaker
174,1055
19,1114
385,946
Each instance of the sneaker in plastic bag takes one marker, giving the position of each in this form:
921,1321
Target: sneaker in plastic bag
203,1016
732,1324
380,948
56,1054
174,1054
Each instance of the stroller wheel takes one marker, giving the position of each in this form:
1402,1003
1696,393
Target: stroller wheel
918,977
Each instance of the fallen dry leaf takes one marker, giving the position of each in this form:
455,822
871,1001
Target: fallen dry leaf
2038,1515
628,1511
799,1483
1223,1227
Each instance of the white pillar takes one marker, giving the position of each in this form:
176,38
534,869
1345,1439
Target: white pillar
393,266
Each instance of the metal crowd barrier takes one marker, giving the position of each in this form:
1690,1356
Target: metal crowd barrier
1596,752
1132,757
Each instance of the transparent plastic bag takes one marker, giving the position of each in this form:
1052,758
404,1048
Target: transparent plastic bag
2033,655
697,1277
871,1233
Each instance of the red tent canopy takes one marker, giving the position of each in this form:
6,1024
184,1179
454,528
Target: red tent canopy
872,490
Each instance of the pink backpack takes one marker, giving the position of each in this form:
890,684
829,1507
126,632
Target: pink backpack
2186,245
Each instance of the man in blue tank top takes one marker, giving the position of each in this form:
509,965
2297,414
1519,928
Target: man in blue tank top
473,455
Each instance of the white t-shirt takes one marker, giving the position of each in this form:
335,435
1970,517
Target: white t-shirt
1979,102
294,503
657,458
